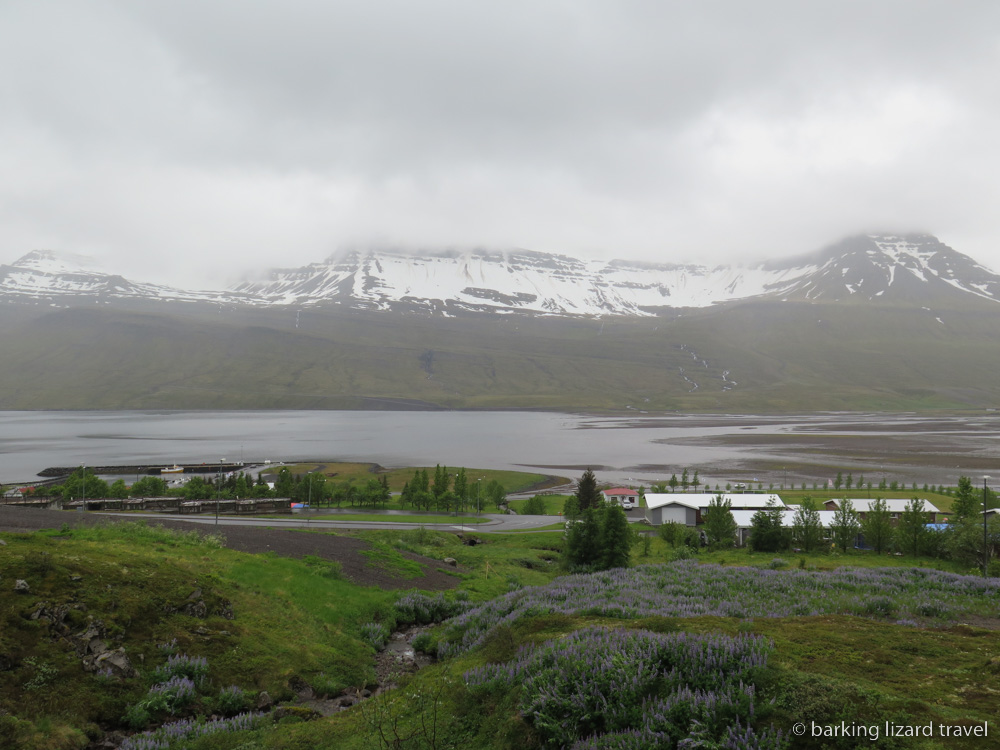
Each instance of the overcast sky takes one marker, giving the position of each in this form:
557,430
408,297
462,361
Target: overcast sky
180,140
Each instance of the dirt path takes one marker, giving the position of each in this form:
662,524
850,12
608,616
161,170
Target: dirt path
343,549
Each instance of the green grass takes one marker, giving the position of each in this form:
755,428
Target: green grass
293,618
553,504
300,619
495,565
823,669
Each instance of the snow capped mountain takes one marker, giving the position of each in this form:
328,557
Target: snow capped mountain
911,268
518,280
877,268
42,275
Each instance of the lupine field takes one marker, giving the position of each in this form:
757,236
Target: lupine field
687,589
614,689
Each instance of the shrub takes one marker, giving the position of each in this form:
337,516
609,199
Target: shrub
686,589
375,634
173,695
188,729
420,609
596,682
194,668
881,606
231,700
425,643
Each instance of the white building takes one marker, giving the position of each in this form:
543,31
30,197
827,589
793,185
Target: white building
688,508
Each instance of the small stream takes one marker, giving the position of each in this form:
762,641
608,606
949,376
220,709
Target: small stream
397,659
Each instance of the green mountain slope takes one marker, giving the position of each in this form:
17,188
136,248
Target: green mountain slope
752,356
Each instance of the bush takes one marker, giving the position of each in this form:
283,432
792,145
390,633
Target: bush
425,643
603,684
375,634
231,701
881,606
672,532
420,609
194,668
533,506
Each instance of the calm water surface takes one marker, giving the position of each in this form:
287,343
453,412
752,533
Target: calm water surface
640,447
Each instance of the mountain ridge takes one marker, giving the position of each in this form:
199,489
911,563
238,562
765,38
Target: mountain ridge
876,267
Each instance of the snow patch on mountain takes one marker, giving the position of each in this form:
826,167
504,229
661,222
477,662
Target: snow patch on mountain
917,268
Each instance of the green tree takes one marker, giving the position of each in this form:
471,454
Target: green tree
877,526
673,482
964,540
461,487
845,525
672,532
83,483
616,537
684,480
967,504
496,494
442,481
533,506
242,486
719,524
198,489
373,493
586,491
583,540
766,533
912,528
118,490
571,508
849,482
149,487
839,481
807,529
694,481
284,483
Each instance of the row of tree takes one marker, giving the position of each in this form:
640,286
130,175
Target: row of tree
450,492
685,482
964,539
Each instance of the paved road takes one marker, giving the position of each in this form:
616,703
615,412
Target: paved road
497,523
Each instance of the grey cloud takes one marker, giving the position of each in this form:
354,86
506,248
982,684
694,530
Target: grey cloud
265,133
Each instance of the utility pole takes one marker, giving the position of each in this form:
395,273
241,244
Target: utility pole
986,539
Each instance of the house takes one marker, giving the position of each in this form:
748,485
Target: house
744,522
622,496
895,506
688,508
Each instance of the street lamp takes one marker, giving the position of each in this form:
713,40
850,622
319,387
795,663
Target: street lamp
986,542
217,491
310,502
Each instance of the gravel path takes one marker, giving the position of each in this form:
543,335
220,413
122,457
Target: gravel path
345,550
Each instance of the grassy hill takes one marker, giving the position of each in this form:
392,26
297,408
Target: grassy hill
753,357
908,647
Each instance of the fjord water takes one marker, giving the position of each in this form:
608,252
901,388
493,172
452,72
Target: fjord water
639,447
